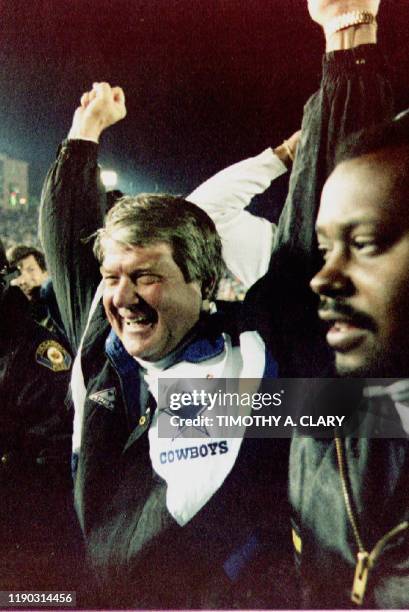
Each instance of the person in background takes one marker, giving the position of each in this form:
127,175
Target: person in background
36,284
39,537
30,262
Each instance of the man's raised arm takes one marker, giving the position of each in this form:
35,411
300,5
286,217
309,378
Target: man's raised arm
73,206
247,239
355,92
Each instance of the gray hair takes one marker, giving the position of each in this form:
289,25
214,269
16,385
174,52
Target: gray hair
147,219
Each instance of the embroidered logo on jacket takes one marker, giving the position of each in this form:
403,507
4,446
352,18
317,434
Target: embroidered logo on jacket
106,398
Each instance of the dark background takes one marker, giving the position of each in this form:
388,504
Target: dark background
207,81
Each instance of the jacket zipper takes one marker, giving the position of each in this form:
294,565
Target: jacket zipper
365,560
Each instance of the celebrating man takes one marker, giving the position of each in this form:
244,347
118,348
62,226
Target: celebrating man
169,522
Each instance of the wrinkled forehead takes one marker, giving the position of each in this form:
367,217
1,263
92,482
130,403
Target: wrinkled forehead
367,189
115,252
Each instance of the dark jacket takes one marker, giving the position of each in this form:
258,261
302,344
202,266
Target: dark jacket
355,92
325,541
35,434
34,376
44,309
231,553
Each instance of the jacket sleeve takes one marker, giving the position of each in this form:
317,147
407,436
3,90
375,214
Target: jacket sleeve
72,208
355,92
247,239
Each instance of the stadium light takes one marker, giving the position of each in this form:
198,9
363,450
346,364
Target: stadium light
109,178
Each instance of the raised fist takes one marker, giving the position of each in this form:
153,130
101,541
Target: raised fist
100,107
322,11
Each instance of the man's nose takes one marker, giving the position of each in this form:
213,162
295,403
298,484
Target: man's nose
333,279
125,294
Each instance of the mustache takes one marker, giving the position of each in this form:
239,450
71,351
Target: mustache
340,308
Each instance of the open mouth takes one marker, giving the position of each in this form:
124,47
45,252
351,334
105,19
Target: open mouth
344,334
347,327
141,321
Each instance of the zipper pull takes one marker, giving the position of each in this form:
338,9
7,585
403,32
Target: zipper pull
361,578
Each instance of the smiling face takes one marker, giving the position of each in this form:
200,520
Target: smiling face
363,233
148,303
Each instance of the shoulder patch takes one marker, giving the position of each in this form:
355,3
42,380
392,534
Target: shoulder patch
53,356
106,398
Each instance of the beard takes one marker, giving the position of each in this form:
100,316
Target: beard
379,364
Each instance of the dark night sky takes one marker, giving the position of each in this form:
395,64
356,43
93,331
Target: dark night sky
207,81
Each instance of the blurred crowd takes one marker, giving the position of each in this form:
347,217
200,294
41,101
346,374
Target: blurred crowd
19,226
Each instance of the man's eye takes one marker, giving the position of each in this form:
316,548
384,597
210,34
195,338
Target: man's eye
365,245
148,279
110,279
